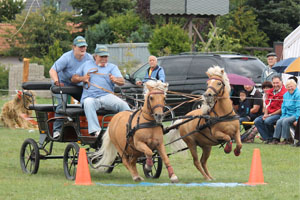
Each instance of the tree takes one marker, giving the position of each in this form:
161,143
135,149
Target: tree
39,31
169,39
277,18
9,9
93,11
241,24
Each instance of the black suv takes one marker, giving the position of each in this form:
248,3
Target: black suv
186,73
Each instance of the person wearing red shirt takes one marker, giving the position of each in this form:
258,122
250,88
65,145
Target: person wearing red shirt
265,123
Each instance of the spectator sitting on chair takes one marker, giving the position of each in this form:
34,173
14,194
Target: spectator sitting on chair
154,71
255,102
265,123
290,111
244,107
61,73
93,97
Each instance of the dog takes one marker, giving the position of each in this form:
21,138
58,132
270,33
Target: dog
14,114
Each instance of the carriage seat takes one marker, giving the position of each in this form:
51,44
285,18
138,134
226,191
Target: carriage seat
79,111
36,85
49,107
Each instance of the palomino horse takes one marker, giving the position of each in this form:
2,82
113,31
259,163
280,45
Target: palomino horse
133,134
223,122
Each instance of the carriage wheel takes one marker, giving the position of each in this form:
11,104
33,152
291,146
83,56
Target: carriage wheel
169,116
71,160
197,105
30,156
156,168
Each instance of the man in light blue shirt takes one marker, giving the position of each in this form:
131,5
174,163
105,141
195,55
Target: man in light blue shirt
100,73
62,71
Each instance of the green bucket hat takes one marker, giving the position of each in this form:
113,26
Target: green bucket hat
79,41
101,50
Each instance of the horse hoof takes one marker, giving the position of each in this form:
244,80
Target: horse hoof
138,179
174,179
228,147
237,152
148,168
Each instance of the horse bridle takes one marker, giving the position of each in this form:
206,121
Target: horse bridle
157,105
214,89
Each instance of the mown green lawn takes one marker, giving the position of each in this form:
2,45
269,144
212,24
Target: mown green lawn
281,169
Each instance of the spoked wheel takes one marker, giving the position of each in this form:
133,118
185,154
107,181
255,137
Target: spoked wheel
30,156
156,168
71,160
168,115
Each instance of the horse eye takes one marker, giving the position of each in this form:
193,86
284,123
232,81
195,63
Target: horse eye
219,83
151,98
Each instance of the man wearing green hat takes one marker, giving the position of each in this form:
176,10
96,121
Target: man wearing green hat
62,71
105,75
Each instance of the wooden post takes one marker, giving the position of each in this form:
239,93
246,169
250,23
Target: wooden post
25,69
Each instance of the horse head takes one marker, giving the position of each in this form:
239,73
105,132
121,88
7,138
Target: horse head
217,85
155,94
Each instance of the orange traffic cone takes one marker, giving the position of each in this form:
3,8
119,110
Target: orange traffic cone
83,176
256,173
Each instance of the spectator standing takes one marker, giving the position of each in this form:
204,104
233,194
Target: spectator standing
268,72
265,123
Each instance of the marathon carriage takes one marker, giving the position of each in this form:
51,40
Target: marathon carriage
74,132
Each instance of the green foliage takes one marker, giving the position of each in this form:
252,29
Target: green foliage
99,34
3,80
241,24
39,32
276,18
219,41
9,9
124,25
94,11
55,51
169,39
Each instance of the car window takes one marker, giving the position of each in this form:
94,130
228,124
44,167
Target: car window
249,67
140,73
176,67
200,65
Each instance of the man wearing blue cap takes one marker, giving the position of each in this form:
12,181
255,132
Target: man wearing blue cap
62,71
99,78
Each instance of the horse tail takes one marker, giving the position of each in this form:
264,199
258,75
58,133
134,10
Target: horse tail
107,153
173,135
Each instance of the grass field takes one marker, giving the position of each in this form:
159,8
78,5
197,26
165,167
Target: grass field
281,168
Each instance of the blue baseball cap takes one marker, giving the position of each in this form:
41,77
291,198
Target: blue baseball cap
79,41
101,50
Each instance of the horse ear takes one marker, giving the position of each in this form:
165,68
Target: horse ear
149,87
207,74
222,71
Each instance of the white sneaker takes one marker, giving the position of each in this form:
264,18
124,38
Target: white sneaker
96,133
56,135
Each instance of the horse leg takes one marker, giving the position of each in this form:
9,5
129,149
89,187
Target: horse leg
128,164
142,147
205,155
193,150
237,150
162,152
135,175
221,136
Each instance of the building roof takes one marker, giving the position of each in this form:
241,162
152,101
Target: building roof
189,7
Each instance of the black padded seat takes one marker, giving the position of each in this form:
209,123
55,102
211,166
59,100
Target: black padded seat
80,112
74,91
36,85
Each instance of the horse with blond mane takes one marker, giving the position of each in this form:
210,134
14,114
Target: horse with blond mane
220,125
134,134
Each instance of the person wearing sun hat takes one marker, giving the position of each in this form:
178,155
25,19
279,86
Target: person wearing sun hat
268,72
61,73
93,98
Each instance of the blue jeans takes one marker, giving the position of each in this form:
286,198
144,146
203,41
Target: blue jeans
108,102
61,99
283,127
266,127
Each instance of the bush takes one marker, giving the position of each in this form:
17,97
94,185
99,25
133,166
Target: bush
3,80
169,39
